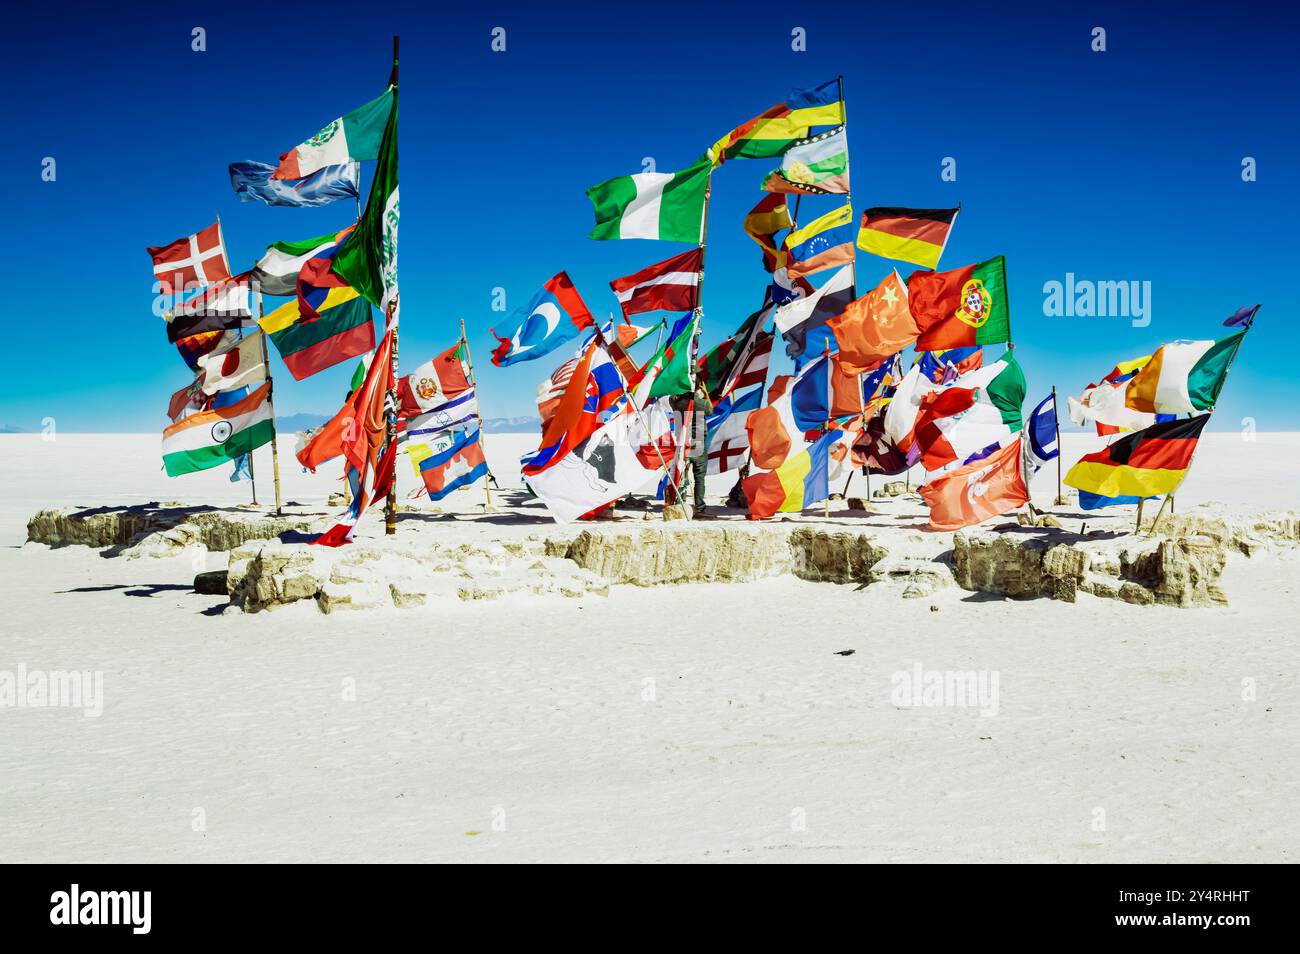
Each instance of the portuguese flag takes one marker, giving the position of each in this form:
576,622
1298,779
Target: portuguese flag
211,438
343,330
908,235
652,205
1145,463
961,308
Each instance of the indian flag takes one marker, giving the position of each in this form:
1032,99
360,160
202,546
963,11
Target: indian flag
652,205
1183,376
211,438
354,136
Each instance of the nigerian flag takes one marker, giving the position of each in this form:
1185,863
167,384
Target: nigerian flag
652,205
367,260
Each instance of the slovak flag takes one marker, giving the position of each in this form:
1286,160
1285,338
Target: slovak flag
555,315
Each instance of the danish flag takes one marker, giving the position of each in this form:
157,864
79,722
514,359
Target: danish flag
195,259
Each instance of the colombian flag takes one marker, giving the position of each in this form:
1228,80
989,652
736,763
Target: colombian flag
1144,463
800,482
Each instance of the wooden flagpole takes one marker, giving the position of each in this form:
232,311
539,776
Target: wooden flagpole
390,506
252,475
478,412
270,403
1056,420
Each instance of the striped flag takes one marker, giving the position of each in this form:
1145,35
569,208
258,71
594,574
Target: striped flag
918,236
652,205
1146,463
670,285
215,437
458,466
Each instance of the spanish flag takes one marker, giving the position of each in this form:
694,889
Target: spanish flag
1144,463
907,235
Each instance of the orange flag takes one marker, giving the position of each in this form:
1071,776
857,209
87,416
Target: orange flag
979,490
875,327
846,389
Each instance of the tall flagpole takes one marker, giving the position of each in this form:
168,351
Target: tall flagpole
270,403
848,193
252,476
1056,420
390,507
478,411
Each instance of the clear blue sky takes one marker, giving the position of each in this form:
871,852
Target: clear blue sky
1123,165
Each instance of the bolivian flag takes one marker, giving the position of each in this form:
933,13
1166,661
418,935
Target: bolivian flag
1144,463
907,235
342,330
800,482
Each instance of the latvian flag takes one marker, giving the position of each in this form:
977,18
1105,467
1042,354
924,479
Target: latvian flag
197,259
671,285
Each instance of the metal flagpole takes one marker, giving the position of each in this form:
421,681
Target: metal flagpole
478,411
270,403
390,506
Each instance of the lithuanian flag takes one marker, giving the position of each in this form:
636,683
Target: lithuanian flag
908,235
343,330
1144,463
963,307
771,133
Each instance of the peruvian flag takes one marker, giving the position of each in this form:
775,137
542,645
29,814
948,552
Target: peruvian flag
671,285
197,259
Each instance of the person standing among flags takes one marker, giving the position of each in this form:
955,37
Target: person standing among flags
695,408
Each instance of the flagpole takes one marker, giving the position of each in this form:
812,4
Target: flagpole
221,237
390,506
1169,498
478,412
1056,420
270,403
848,193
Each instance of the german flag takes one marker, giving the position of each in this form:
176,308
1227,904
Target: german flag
907,235
1144,463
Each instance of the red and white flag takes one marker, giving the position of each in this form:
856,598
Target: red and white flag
197,259
751,366
671,285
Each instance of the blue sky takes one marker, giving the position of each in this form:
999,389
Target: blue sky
1122,165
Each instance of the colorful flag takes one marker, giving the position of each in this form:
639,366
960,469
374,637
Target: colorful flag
234,365
187,326
771,215
229,298
457,466
1183,376
873,450
964,307
367,259
800,482
218,436
433,383
904,406
551,390
728,437
670,285
1103,405
810,395
592,390
669,371
341,330
826,242
197,259
619,457
254,181
555,315
907,235
1242,317
278,270
795,405
846,391
799,317
936,365
652,205
193,347
358,432
355,136
815,166
1041,436
872,329
1145,463
771,133
977,410
977,491
716,366
187,400
451,413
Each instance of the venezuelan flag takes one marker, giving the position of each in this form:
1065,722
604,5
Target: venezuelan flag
826,242
800,482
1144,463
